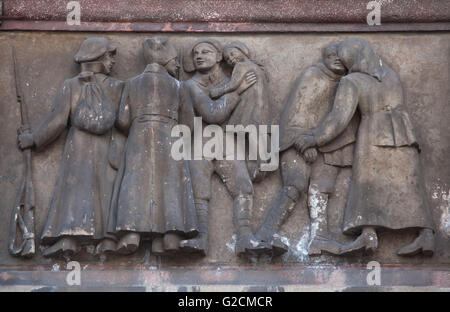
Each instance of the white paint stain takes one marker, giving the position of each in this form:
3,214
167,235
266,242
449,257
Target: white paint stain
55,268
318,208
442,195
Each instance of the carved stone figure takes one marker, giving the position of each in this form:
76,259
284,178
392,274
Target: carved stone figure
253,108
152,195
88,103
205,57
386,192
316,170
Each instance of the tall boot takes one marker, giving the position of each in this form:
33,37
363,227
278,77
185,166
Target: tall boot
198,244
279,210
242,216
320,240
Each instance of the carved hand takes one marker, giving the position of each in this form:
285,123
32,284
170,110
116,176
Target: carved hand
310,155
25,138
250,80
304,142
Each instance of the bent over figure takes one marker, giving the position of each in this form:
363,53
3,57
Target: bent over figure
386,191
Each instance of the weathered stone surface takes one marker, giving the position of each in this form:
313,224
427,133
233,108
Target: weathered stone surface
420,60
234,11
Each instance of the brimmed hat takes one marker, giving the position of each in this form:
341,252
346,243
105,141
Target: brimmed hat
93,48
188,57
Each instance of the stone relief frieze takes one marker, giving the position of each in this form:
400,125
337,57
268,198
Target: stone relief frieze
118,184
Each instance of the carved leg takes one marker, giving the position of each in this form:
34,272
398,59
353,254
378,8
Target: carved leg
198,244
424,243
66,246
279,210
367,241
242,215
128,244
320,241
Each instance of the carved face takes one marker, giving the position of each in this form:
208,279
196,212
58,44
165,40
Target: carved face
108,60
205,56
173,67
233,56
332,60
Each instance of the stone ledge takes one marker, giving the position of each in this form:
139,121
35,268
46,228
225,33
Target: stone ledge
228,16
232,11
224,278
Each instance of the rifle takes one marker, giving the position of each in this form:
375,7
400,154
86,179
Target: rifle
22,217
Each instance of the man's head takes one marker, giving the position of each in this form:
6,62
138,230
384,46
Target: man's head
108,60
204,55
331,59
97,50
159,50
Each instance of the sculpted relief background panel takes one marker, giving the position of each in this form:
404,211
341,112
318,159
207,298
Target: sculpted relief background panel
421,61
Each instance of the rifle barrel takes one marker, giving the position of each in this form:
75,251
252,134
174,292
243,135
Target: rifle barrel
19,95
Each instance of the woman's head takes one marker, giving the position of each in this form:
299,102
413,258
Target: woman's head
235,52
358,57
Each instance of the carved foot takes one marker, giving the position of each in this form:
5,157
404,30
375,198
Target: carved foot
273,246
106,246
64,247
128,244
245,244
171,242
168,244
158,246
321,244
367,241
424,244
198,245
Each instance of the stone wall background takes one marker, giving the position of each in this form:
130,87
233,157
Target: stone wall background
46,60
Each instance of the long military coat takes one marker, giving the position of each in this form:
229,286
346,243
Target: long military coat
152,192
80,204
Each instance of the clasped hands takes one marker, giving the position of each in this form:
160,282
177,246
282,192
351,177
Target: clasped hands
305,144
